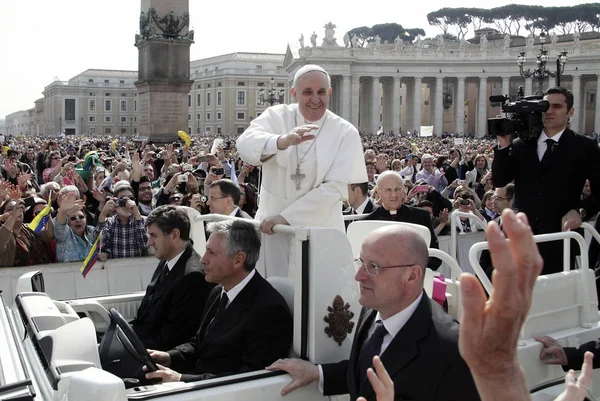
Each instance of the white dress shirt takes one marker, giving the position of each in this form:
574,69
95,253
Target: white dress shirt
171,263
235,291
542,145
234,211
361,208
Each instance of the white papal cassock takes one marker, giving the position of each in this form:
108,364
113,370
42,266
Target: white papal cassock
329,165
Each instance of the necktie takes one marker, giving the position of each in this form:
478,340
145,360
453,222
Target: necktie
370,348
220,310
414,175
163,273
550,143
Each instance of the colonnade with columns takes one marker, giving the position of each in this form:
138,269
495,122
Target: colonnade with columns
397,102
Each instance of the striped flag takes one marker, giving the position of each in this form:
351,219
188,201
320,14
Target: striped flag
40,221
89,262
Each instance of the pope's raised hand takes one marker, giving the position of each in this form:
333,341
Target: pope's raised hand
296,136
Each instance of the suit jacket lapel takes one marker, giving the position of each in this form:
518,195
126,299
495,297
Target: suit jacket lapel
176,271
404,346
365,321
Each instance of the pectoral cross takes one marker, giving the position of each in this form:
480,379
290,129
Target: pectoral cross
298,177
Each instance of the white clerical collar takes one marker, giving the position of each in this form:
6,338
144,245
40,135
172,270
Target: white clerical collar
171,263
234,211
361,208
235,291
395,323
300,120
543,137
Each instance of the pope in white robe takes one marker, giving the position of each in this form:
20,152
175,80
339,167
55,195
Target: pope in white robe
309,155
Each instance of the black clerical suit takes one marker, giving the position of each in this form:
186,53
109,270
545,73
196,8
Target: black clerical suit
254,331
545,192
171,310
415,215
422,360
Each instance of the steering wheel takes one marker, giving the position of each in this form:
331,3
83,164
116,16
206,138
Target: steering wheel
122,352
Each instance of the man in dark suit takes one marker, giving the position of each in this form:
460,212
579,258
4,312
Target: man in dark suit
224,198
169,312
416,340
549,173
246,324
360,203
390,187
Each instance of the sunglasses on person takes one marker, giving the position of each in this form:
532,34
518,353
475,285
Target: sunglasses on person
75,218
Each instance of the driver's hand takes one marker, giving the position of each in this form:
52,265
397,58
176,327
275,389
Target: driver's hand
163,373
161,357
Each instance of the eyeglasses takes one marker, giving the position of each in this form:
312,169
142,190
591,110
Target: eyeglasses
74,218
392,190
373,269
212,199
175,199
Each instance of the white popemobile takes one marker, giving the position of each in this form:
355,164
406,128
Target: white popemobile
50,318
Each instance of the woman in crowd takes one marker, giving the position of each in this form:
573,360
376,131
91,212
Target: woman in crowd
487,206
19,246
481,169
74,238
36,205
54,164
248,199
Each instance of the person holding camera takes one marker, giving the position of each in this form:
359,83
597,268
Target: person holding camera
549,173
122,227
464,202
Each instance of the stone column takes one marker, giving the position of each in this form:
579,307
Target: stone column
346,97
576,103
386,104
355,88
365,111
528,86
506,86
396,106
163,70
375,105
417,104
482,107
438,125
460,106
597,115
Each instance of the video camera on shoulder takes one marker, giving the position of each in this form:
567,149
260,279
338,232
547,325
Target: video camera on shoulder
523,116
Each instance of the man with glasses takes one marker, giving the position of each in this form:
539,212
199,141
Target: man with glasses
390,187
224,198
122,227
503,199
414,337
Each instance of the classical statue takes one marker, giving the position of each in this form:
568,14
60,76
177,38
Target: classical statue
463,43
397,43
313,39
506,41
483,42
554,38
530,41
418,43
576,36
329,39
346,40
301,40
440,41
354,41
377,41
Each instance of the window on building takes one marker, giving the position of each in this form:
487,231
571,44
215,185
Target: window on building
207,116
208,99
123,119
241,98
123,106
107,119
198,99
135,130
123,130
218,130
92,93
106,81
198,116
198,130
122,81
280,85
260,84
189,100
240,130
92,119
219,84
241,83
108,105
134,119
258,114
107,94
69,109
207,129
280,67
135,105
259,67
208,85
92,130
123,94
107,130
189,117
199,86
218,115
91,80
592,98
92,105
219,98
241,115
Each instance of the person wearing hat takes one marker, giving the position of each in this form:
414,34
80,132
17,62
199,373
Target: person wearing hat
309,155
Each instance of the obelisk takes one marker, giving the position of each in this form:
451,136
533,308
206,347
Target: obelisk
163,69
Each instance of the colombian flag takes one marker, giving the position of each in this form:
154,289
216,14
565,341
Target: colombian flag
40,220
89,262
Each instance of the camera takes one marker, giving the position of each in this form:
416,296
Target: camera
122,202
182,178
218,171
523,116
203,199
464,201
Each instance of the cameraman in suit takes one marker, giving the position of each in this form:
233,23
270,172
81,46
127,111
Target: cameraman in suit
170,311
549,173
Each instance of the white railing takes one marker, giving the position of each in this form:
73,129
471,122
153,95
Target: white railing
453,233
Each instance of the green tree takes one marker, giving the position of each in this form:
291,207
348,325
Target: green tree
388,31
363,34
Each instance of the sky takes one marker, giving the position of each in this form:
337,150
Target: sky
44,40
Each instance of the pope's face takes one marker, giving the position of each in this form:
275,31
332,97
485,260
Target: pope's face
312,92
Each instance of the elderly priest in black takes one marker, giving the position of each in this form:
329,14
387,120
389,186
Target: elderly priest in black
246,324
169,312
